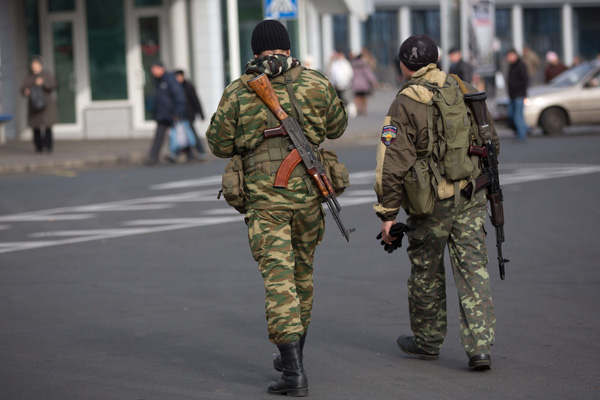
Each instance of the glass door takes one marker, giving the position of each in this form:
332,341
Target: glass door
150,46
64,71
62,39
146,38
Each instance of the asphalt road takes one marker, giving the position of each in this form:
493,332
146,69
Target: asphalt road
137,283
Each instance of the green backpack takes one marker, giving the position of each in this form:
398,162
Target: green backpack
446,160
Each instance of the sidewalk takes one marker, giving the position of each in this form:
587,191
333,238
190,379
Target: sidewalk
19,156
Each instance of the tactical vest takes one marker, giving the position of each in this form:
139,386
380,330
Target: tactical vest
444,167
269,154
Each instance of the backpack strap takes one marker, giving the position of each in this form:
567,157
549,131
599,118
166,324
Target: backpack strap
461,84
474,134
288,80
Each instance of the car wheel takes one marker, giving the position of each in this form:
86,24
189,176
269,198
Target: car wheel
553,121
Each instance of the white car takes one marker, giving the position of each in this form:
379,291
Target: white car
572,98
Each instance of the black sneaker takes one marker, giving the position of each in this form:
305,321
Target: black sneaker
480,362
407,345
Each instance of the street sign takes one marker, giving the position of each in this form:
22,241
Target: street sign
281,9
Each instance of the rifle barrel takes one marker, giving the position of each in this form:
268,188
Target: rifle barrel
336,218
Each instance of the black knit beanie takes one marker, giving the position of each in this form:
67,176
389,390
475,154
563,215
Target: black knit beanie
418,51
270,35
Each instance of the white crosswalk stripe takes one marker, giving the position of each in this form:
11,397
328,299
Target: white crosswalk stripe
220,214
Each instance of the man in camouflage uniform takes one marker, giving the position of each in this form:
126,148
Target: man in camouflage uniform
284,224
456,221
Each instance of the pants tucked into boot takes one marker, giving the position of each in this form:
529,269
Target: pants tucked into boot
293,381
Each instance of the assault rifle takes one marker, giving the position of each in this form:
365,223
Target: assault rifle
489,178
302,150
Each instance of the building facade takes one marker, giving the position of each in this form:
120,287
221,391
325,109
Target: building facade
100,50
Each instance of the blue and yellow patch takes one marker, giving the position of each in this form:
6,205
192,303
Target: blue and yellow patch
388,134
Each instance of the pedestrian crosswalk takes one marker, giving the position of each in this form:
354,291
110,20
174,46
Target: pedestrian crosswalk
144,215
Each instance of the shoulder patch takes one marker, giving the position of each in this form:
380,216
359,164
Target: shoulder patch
388,134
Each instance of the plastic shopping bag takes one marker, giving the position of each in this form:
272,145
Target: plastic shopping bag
181,136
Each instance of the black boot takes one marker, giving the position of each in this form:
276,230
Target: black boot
293,381
277,359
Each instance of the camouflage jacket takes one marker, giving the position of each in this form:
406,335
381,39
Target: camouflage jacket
406,121
241,117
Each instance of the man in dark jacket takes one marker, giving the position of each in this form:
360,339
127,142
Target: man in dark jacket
169,106
193,106
554,68
459,67
517,91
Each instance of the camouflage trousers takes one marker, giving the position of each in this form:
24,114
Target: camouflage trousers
461,227
284,242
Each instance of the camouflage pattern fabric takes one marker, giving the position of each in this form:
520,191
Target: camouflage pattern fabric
461,227
283,242
272,65
237,126
284,224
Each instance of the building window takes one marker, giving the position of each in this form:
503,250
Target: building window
292,27
504,29
106,44
250,13
381,36
340,34
33,28
150,44
543,30
64,67
148,3
427,22
586,37
61,5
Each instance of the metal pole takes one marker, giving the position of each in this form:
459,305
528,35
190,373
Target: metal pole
233,26
445,32
567,32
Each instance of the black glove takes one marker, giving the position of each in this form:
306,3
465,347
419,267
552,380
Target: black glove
397,230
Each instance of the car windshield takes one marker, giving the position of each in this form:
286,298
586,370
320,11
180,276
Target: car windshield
571,76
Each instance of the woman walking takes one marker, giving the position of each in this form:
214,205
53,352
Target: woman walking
363,83
41,111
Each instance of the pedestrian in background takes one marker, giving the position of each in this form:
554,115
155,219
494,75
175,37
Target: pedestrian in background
169,106
405,157
285,225
340,73
41,106
363,83
532,62
193,107
460,67
518,79
369,57
554,67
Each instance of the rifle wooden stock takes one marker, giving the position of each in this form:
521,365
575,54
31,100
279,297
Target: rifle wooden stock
482,181
314,174
327,183
264,90
285,169
496,209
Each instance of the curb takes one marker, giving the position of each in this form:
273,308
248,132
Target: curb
98,161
